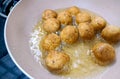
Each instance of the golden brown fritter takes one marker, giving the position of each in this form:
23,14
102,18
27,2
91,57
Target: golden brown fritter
56,60
104,52
111,33
50,42
51,25
48,13
69,34
83,17
86,31
98,23
65,18
73,10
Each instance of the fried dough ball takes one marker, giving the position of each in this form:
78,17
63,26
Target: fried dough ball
73,10
69,34
50,42
56,60
98,23
49,14
104,52
65,18
51,25
111,33
83,17
86,31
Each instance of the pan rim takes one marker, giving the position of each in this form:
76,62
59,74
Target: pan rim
6,43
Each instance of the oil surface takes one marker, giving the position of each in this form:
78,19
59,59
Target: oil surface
82,64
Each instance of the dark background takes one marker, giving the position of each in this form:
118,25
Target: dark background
8,70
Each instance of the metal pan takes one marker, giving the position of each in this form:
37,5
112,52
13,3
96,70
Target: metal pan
27,13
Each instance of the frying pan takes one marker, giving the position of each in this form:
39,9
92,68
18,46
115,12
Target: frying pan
27,13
